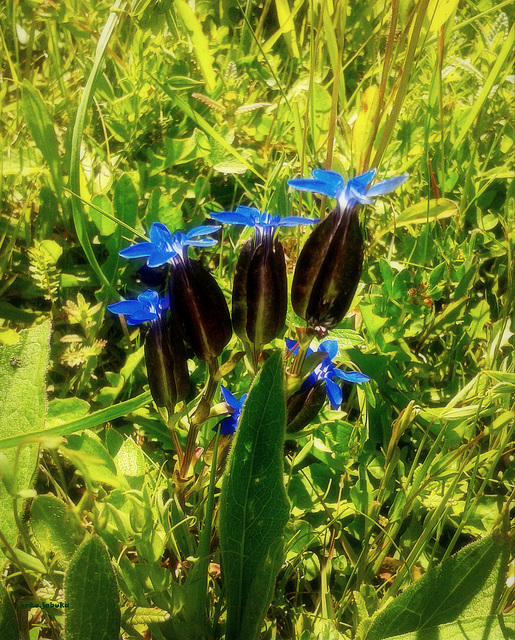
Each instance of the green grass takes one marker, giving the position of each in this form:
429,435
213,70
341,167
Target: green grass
98,115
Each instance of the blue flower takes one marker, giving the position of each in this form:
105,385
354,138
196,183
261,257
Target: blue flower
264,223
350,193
228,425
165,246
326,371
148,306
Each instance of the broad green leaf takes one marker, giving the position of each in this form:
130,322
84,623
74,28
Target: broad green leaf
92,459
480,628
62,410
106,226
465,586
90,590
41,127
144,615
54,528
131,463
22,390
9,629
253,505
424,211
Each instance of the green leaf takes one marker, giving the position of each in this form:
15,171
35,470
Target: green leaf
22,390
41,127
106,226
91,458
90,590
125,203
79,218
253,505
9,629
480,628
52,524
199,42
464,586
425,211
87,422
131,462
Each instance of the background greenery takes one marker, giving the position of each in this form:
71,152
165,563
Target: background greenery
420,462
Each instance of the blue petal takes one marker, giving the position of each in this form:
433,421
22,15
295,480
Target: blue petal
125,307
330,347
159,234
229,398
334,393
203,230
232,217
360,182
307,184
358,196
293,221
139,250
158,258
330,177
385,186
242,402
202,242
355,377
251,212
149,297
227,426
141,316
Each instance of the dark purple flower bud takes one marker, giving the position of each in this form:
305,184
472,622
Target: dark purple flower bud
303,406
259,300
202,311
167,367
165,357
200,306
329,266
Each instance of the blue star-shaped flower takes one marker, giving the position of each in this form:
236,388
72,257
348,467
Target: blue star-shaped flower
228,425
326,370
165,246
264,223
149,306
350,193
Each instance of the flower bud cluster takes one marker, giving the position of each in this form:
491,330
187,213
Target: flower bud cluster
195,312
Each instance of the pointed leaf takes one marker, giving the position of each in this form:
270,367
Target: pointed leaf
22,409
90,590
53,527
9,629
464,586
253,505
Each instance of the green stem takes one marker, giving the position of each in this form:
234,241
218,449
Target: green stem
205,535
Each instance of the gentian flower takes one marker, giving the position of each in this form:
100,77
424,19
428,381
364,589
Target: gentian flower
200,305
348,195
149,306
228,425
329,266
259,299
165,357
304,405
165,246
